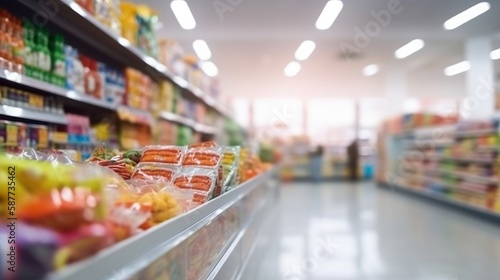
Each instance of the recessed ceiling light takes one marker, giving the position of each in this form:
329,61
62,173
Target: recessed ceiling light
305,50
495,54
183,14
329,14
466,15
409,49
292,69
209,68
370,70
457,68
202,50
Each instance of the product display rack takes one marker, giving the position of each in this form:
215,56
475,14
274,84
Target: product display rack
72,17
248,205
10,111
459,166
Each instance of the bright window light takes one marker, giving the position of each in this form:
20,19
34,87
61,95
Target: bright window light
183,14
409,49
467,15
329,14
305,50
292,69
457,68
495,54
202,50
210,69
370,70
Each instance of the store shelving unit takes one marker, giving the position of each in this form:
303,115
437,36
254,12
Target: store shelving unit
248,205
28,114
446,200
198,127
21,80
460,168
74,19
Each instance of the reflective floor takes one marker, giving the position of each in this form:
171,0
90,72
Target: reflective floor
359,231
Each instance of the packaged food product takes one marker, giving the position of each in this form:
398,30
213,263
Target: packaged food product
36,245
154,171
203,157
207,144
200,181
150,196
173,155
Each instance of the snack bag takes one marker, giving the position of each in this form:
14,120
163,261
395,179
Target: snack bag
154,171
173,155
200,181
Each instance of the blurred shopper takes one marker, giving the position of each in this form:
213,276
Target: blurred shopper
353,156
317,164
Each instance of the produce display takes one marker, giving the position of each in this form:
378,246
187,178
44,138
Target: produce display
78,209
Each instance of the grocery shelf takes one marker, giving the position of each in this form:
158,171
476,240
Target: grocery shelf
169,116
53,89
135,115
461,159
447,201
475,133
131,256
28,114
75,19
471,177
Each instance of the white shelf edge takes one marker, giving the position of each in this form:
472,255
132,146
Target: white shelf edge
17,112
449,201
169,116
46,87
123,257
161,68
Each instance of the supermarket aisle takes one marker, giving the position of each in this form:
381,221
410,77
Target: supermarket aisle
358,231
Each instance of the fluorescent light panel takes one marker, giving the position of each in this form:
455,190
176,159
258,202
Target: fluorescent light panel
292,69
210,69
202,50
457,68
183,14
305,50
329,14
495,54
370,70
409,49
467,15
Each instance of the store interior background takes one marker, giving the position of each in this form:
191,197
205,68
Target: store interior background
253,41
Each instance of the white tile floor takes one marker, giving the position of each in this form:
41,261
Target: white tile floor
349,231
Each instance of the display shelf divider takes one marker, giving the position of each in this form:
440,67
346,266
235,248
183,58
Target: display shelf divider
133,254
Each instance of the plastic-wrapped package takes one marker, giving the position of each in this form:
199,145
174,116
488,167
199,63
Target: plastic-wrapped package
173,155
153,171
35,249
230,163
150,196
66,199
200,181
208,144
203,157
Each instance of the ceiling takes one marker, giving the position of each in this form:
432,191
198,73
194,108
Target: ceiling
252,42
